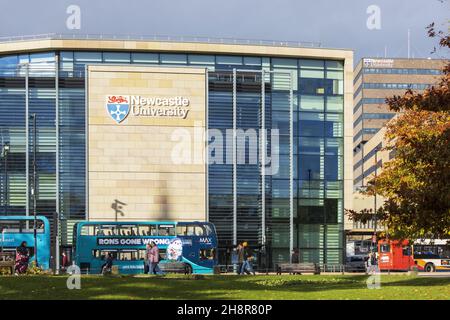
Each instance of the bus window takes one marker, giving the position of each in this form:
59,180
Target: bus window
181,231
10,226
198,231
87,230
166,230
385,248
128,255
141,254
206,254
148,230
128,230
162,254
209,230
102,254
22,226
191,230
406,251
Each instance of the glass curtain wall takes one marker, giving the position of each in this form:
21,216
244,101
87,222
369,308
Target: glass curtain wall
317,148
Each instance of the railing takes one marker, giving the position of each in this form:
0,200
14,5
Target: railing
332,268
335,268
161,38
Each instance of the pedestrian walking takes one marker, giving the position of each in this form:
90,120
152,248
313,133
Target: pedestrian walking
247,267
22,258
107,266
153,258
240,257
147,259
295,258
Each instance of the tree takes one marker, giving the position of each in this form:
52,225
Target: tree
416,183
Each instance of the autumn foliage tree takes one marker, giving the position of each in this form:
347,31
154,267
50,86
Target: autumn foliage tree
416,182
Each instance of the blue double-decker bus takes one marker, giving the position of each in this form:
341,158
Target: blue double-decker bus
193,243
15,229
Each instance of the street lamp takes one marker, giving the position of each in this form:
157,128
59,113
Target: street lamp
375,198
33,188
5,152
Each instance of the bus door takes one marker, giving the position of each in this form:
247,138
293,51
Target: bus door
385,256
405,260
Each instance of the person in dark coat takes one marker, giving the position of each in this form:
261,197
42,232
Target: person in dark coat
22,258
240,257
108,264
295,257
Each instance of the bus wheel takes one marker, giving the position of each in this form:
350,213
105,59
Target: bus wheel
188,269
429,267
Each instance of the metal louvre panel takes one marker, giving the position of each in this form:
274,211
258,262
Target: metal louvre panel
72,157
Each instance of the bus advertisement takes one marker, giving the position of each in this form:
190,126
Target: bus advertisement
16,229
193,243
426,255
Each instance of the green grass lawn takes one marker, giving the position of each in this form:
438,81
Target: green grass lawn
225,287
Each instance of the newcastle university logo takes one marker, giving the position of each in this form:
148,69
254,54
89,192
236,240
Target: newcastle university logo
118,107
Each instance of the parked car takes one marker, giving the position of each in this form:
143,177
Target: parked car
356,264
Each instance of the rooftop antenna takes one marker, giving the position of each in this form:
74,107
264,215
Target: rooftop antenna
409,43
385,51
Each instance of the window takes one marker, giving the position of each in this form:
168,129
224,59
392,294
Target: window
284,63
105,230
148,230
310,167
334,125
128,230
47,58
335,104
87,230
312,146
385,248
229,60
85,57
190,230
151,58
406,251
311,86
102,254
209,229
203,60
311,103
125,254
8,61
311,211
311,124
170,58
21,226
252,61
166,230
128,255
334,65
334,147
207,254
311,64
116,57
280,121
333,168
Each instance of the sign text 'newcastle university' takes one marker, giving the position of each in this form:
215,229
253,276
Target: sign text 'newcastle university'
120,106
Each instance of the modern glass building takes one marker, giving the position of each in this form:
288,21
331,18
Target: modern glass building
304,92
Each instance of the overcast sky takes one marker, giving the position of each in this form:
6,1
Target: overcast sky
333,23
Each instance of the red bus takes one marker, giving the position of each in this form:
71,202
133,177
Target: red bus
427,255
